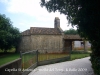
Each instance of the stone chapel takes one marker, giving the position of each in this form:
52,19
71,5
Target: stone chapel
49,39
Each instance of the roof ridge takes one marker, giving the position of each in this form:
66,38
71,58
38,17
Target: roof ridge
41,30
41,27
26,32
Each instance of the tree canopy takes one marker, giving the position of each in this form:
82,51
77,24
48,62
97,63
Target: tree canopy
85,14
9,35
71,32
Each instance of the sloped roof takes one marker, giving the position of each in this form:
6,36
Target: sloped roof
72,37
41,31
27,32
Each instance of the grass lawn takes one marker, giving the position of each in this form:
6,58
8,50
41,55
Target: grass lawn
78,56
5,58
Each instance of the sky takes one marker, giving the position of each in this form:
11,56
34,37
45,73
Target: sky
28,13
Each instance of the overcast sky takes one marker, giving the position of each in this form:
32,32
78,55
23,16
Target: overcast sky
28,13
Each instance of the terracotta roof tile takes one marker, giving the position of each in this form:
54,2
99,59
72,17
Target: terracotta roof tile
39,30
27,32
72,37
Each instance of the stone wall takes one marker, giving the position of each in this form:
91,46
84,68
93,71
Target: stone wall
25,43
52,43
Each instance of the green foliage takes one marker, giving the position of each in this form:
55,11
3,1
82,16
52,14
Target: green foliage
79,56
71,32
95,60
12,50
6,58
85,14
9,35
79,52
96,64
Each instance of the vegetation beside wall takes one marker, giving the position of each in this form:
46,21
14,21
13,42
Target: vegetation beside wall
71,32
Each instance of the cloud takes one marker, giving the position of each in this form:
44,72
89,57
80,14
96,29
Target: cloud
32,8
4,1
29,7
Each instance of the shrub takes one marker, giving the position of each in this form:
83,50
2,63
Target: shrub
95,63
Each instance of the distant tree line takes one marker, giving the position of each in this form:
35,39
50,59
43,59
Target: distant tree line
71,32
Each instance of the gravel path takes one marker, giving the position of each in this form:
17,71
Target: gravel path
75,67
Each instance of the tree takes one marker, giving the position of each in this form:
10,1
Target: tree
85,14
71,32
9,35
